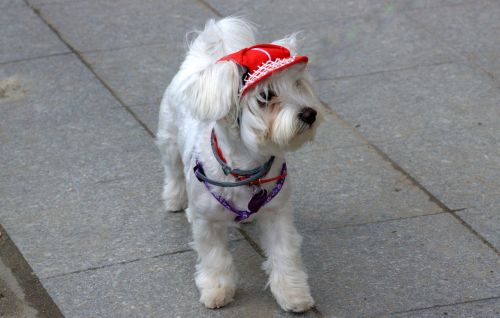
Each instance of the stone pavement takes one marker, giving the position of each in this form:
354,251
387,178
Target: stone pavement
402,213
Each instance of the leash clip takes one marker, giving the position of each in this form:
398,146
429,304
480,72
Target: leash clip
226,169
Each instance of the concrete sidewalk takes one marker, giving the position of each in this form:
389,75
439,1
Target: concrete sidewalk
398,200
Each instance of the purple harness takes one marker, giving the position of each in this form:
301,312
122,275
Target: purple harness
258,200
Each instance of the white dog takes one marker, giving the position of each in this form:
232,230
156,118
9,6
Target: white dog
226,120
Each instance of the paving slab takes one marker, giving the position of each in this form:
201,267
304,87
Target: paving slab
138,75
459,166
469,28
101,25
377,269
485,220
417,4
162,287
41,2
11,3
347,186
263,12
81,181
365,45
74,128
23,35
489,308
391,105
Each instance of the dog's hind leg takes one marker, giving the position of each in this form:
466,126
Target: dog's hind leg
174,186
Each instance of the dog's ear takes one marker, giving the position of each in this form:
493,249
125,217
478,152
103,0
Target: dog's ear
290,42
213,91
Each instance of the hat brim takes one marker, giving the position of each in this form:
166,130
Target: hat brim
268,69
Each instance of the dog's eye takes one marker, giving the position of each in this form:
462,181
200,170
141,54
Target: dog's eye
267,97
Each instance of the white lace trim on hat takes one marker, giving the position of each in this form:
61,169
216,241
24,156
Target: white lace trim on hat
265,68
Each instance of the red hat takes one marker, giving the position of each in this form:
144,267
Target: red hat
261,61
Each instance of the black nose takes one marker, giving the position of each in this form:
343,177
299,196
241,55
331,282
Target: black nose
308,115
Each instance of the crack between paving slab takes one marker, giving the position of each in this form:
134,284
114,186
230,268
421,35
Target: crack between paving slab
117,263
34,58
375,222
431,196
126,47
210,7
478,66
252,243
89,67
444,305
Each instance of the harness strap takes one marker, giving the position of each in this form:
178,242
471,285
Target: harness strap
252,207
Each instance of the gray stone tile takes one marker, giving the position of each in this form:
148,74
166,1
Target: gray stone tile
469,28
485,220
41,2
346,186
396,266
161,287
138,75
80,179
11,3
73,129
100,25
332,133
458,166
392,105
104,225
347,47
418,4
488,308
263,12
23,35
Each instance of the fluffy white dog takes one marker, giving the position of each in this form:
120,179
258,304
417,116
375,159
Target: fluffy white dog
226,121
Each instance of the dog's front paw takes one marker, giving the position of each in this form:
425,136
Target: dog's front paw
292,295
217,297
217,290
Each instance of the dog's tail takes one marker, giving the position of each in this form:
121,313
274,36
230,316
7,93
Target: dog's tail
222,37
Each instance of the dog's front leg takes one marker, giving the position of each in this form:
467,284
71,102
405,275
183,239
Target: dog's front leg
287,279
215,272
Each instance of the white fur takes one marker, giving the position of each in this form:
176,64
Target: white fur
204,95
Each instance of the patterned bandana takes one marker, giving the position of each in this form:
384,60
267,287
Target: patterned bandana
261,61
